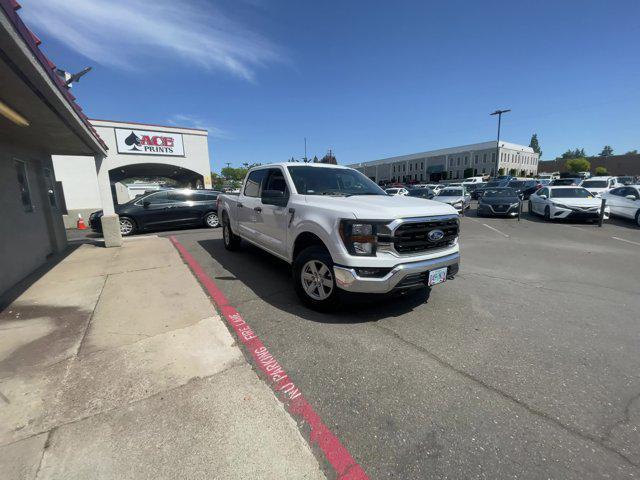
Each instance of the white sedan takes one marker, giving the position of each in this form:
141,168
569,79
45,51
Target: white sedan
394,192
624,202
566,202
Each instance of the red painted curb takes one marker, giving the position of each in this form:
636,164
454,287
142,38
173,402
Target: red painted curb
336,454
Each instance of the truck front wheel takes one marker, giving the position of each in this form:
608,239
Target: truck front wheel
313,279
231,240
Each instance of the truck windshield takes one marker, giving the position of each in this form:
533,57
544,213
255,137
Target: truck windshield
332,181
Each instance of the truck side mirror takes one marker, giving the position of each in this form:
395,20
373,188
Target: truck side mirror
274,197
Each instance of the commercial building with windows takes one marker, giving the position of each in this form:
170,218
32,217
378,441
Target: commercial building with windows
453,163
134,151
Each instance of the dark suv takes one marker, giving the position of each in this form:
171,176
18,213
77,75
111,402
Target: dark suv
164,209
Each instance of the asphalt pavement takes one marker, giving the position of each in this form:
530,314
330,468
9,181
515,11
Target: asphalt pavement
524,366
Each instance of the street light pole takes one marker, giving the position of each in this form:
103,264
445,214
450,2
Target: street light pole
499,113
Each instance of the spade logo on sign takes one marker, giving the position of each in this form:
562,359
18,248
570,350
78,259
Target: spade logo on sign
133,141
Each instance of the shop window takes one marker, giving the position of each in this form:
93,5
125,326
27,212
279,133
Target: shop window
23,185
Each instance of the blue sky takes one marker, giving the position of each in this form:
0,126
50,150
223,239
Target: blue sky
368,79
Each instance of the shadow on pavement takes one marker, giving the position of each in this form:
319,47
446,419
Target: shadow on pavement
23,285
269,278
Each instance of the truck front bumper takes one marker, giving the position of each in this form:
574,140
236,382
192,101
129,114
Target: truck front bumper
402,276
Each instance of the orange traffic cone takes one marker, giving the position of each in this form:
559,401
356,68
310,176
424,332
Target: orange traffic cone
80,224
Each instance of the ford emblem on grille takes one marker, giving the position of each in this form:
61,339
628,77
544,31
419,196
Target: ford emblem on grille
435,235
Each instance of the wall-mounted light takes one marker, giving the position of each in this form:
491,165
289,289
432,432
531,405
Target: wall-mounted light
9,113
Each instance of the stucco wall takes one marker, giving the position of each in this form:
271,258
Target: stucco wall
26,238
196,148
79,181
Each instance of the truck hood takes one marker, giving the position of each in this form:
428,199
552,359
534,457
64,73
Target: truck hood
383,207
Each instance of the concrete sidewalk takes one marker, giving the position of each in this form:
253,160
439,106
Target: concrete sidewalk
114,365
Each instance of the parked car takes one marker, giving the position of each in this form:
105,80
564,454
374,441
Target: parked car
436,187
421,193
478,192
397,192
340,231
544,182
624,202
566,202
626,180
472,180
499,201
164,209
599,185
457,197
566,182
524,188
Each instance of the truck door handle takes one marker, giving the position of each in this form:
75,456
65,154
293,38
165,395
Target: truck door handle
258,209
240,205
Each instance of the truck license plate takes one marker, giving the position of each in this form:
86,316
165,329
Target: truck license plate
437,276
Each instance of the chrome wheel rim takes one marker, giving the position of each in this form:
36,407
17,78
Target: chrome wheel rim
212,220
126,227
317,280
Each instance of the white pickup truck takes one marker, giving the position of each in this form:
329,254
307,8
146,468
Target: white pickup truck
340,231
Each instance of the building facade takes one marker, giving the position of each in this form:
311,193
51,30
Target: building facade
453,163
38,118
134,150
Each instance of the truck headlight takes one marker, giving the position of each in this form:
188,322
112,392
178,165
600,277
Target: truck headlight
359,237
457,204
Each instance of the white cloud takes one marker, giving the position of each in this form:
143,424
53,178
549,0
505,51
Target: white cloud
183,120
131,34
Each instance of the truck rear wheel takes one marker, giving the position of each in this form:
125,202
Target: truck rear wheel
313,279
231,240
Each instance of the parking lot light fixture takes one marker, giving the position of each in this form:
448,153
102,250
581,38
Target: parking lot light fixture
499,113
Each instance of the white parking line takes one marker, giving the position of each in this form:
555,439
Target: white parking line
626,241
496,230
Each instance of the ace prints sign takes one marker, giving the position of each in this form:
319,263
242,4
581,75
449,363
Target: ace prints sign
146,142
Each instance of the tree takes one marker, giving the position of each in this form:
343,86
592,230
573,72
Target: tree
632,152
577,153
501,171
575,165
601,171
607,151
444,175
513,172
329,158
315,159
468,172
535,145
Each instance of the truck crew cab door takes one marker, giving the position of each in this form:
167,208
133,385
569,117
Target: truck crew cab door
272,230
249,205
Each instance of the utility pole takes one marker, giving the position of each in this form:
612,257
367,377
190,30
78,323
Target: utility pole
305,149
499,113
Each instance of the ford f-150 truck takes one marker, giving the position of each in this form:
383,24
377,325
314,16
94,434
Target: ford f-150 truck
341,231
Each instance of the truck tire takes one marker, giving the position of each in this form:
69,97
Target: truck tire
231,240
313,279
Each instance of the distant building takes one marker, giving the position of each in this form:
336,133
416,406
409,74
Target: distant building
432,166
628,164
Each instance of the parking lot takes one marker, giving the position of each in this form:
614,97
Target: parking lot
526,365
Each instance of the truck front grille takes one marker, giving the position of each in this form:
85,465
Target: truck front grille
413,237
